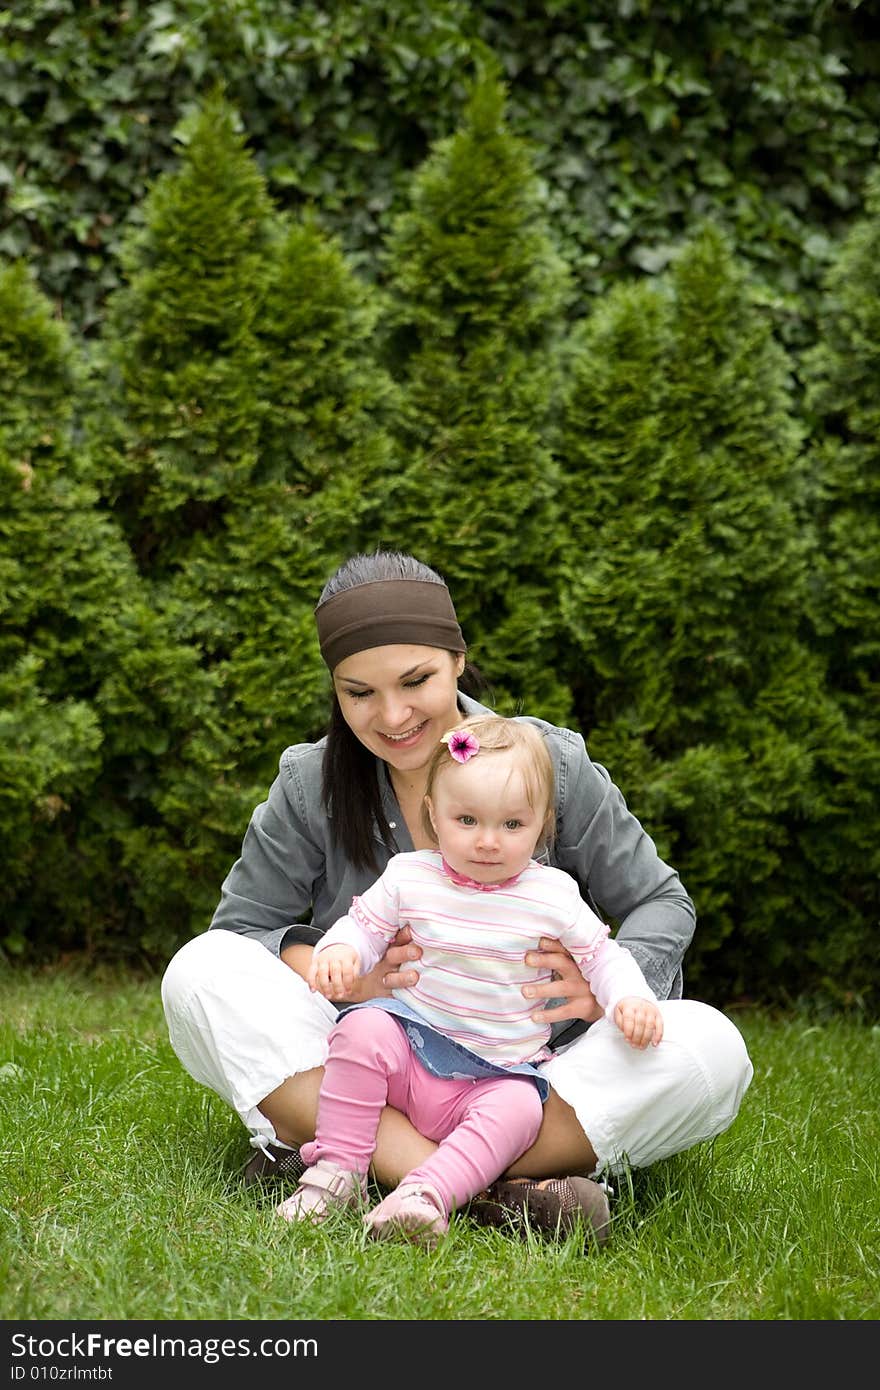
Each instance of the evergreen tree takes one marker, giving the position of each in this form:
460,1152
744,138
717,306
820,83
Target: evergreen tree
246,593
477,289
842,376
181,353
616,567
240,504
49,738
69,610
686,578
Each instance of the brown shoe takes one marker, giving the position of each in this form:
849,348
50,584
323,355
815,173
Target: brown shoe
553,1206
272,1163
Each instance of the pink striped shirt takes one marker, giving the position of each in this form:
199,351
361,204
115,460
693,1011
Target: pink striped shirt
474,938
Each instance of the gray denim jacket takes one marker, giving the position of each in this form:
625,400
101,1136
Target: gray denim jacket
292,882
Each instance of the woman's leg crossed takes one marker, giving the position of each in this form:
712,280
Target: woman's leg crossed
639,1106
242,1023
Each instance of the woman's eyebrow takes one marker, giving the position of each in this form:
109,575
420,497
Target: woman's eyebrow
353,680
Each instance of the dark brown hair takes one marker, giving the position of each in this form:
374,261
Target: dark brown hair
351,791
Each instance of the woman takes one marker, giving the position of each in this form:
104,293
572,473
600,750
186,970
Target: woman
243,1020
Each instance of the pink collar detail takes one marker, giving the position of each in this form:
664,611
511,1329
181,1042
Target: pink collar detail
462,880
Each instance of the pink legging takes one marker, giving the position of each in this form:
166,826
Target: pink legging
482,1125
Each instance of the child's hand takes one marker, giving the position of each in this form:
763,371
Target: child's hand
640,1021
334,971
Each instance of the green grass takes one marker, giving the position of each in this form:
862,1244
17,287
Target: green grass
120,1197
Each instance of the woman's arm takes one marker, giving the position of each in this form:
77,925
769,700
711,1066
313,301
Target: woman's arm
616,865
270,886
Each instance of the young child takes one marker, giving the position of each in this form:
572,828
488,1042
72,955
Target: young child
457,1052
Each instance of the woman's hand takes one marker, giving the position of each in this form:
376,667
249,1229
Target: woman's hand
390,973
567,984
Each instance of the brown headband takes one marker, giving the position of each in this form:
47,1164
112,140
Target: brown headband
384,612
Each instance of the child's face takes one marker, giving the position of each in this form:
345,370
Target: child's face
484,824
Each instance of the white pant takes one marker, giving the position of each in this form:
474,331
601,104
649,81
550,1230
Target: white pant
242,1022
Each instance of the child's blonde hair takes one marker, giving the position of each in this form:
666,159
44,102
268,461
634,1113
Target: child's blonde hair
496,734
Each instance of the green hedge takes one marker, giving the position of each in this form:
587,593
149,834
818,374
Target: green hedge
633,507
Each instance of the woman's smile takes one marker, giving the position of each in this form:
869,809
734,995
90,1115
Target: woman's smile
408,737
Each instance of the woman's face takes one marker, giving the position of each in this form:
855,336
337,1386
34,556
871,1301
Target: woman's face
400,700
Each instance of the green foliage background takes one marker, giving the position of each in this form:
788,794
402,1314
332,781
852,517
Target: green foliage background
563,299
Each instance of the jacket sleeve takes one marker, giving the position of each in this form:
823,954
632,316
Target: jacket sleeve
271,885
617,867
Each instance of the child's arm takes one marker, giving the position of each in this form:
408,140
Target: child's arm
358,941
615,978
639,1020
346,951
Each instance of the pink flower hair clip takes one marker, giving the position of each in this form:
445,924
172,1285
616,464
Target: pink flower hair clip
461,744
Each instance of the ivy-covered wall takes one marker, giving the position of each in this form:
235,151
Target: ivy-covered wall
642,116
